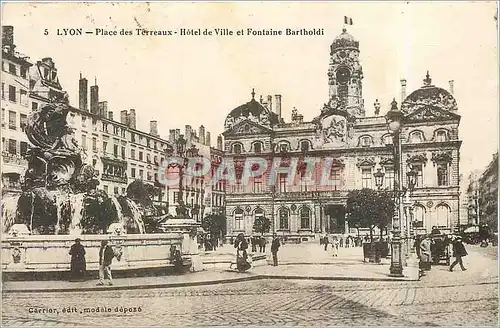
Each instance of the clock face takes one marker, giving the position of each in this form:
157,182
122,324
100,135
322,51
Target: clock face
342,54
343,75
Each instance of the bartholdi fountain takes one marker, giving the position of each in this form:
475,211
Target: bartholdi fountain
60,201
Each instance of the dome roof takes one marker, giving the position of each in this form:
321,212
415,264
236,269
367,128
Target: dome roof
253,110
344,40
429,95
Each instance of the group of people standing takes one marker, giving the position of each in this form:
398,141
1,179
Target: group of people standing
78,266
241,245
426,257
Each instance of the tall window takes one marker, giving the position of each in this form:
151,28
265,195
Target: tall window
389,178
237,148
141,156
238,219
257,147
23,72
94,144
335,177
419,179
132,172
22,121
366,177
284,216
305,218
282,182
84,142
104,146
123,152
441,136
259,213
257,184
442,174
132,153
12,69
419,216
115,150
304,145
12,146
3,90
12,120
443,215
141,174
23,148
12,93
23,97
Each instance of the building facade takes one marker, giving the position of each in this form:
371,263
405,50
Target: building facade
347,148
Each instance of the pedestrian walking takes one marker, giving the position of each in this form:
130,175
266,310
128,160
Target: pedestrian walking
458,252
325,241
335,247
78,263
106,255
241,245
275,246
341,242
425,255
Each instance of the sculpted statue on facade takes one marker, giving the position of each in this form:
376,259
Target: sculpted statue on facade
335,131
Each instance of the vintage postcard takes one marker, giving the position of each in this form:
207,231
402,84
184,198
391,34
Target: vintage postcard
171,164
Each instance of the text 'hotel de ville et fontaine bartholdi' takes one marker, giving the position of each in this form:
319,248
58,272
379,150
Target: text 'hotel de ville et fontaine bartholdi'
357,147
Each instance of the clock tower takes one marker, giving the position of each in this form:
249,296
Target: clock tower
345,74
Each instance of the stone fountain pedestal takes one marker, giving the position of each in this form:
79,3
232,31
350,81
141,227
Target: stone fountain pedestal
188,227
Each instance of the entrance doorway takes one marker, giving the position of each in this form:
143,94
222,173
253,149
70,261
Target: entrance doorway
336,213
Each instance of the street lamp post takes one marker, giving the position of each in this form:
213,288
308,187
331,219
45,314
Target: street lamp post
394,119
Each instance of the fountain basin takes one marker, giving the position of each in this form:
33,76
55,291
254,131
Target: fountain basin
49,253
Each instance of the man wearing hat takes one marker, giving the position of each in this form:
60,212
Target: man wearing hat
106,255
458,252
78,264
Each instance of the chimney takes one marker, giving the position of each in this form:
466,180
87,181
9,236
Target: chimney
83,93
8,38
188,134
219,142
177,133
94,99
132,120
201,134
403,90
270,102
153,128
124,117
110,115
207,139
103,108
278,105
452,86
171,136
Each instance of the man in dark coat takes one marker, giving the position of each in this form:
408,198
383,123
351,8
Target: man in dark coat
78,264
262,244
275,245
458,252
106,255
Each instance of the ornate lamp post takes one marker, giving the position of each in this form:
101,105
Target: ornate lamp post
394,118
411,176
379,178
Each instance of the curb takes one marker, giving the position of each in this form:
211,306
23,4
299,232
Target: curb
205,283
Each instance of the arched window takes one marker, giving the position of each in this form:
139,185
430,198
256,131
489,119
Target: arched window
238,219
365,141
283,147
284,216
416,137
442,215
257,147
304,145
441,136
305,218
419,216
258,213
237,148
387,139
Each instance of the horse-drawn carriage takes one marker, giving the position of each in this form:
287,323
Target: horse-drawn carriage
441,248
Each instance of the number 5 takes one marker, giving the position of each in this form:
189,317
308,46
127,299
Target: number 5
46,32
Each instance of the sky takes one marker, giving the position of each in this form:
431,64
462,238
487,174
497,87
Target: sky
196,80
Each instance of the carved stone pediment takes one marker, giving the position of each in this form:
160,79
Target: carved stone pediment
442,157
431,113
366,161
247,127
386,161
417,158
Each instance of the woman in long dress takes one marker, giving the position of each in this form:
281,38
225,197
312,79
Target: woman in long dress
78,263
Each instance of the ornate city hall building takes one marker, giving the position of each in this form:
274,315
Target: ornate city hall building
349,147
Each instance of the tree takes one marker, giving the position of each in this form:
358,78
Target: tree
261,225
215,224
368,208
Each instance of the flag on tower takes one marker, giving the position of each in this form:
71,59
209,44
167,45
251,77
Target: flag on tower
347,20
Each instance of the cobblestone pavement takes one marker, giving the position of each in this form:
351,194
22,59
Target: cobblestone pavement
442,298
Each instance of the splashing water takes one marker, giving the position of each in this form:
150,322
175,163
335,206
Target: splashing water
9,208
119,210
60,200
136,214
77,205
